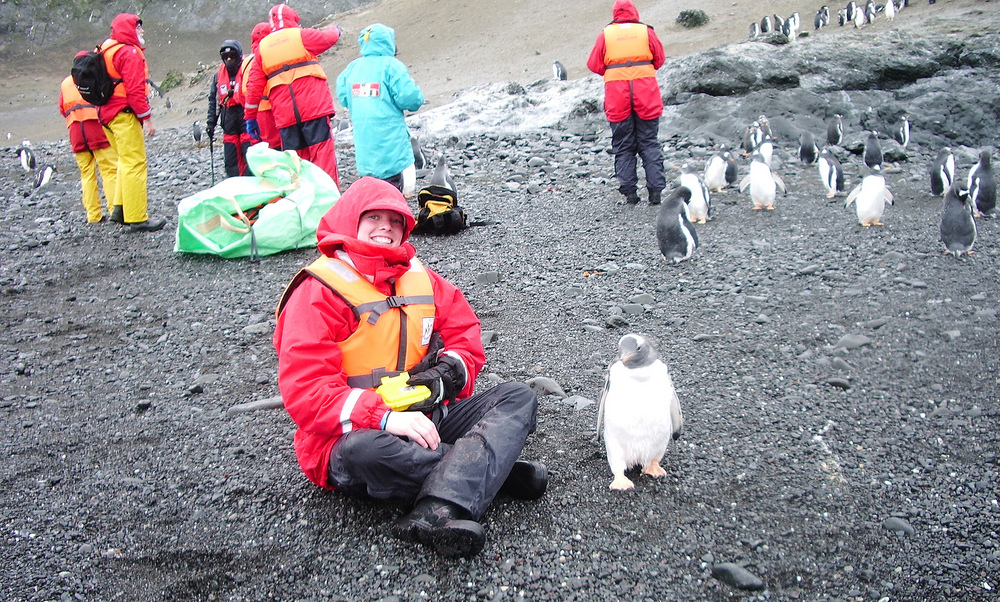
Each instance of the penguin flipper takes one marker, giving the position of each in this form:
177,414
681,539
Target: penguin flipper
744,183
777,180
854,194
600,408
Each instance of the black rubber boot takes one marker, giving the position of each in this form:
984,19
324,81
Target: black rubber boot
442,526
150,225
654,197
117,215
631,198
526,481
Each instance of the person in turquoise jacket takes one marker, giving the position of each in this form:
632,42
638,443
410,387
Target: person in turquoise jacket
376,89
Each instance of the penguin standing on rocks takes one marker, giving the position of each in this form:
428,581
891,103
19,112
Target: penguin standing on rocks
196,132
752,137
766,149
835,130
830,173
639,411
851,10
715,172
808,151
902,132
870,197
982,187
441,176
675,233
942,172
763,183
731,167
558,71
765,25
700,203
43,177
958,227
765,125
419,160
873,151
754,30
26,156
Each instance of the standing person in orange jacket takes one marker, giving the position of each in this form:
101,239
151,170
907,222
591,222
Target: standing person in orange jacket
92,150
265,119
126,117
287,71
628,53
225,108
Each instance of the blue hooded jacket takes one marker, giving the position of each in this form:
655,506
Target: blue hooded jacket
376,89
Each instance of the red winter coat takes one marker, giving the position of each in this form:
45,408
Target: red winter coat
311,94
131,64
85,131
314,319
624,96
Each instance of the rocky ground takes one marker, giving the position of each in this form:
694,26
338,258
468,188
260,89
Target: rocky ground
839,384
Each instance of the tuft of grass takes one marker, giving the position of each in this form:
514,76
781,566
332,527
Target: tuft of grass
173,79
692,18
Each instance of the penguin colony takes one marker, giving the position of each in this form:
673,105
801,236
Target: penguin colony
42,175
976,195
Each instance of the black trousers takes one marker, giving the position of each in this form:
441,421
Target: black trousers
634,138
481,438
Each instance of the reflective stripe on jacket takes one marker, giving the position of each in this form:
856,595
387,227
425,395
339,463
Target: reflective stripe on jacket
393,331
627,55
285,59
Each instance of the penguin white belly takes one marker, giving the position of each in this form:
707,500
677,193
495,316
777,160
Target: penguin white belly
637,421
870,203
763,190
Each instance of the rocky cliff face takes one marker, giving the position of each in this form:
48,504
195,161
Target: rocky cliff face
29,24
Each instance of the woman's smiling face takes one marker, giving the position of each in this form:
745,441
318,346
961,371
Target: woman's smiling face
381,227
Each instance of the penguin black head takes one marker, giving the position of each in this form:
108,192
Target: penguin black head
635,351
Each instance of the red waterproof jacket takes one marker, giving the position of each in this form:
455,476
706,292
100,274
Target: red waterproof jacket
85,132
130,62
622,96
314,320
308,96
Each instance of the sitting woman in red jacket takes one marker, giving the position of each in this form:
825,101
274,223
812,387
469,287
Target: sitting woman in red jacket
367,309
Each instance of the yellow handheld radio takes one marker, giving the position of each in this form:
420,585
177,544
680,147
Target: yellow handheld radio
398,395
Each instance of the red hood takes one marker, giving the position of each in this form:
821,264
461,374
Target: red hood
624,10
282,17
123,29
339,227
259,32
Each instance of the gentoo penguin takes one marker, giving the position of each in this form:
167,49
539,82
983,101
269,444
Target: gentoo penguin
752,137
409,174
890,10
43,177
766,149
792,26
675,233
558,71
982,187
830,173
958,227
765,125
902,132
859,18
870,197
763,183
639,411
441,176
715,172
870,11
27,157
419,160
731,167
842,17
851,10
808,151
700,203
196,131
942,172
873,150
835,130
754,30
765,25
779,23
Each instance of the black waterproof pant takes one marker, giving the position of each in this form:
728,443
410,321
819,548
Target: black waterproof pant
634,138
481,438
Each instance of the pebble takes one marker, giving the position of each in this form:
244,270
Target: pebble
852,341
736,576
269,403
488,278
488,337
543,385
899,525
840,383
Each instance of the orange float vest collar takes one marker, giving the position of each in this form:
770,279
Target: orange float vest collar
265,102
110,47
627,55
74,107
284,58
393,332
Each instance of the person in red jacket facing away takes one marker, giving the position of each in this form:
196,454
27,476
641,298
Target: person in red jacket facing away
287,71
368,308
126,117
90,147
265,120
628,53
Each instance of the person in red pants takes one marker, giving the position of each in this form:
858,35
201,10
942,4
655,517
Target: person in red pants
286,70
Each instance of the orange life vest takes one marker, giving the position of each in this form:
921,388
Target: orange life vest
627,55
110,48
393,332
225,86
265,102
284,59
74,107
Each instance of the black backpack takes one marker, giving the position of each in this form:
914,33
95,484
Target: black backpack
439,213
90,74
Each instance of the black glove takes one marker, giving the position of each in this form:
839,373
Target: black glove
431,359
445,380
211,133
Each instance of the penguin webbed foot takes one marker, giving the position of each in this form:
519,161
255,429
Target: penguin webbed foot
621,483
654,470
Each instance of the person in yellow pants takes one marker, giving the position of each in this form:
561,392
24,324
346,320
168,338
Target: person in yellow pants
92,150
126,117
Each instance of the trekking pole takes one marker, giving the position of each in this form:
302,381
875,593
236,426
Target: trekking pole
211,156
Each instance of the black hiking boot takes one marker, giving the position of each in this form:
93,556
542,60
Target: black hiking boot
526,481
631,198
442,526
654,197
150,225
117,215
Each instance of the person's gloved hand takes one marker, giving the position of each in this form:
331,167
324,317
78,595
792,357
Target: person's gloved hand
253,129
210,131
431,358
446,379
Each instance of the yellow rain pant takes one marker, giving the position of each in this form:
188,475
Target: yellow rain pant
126,137
90,162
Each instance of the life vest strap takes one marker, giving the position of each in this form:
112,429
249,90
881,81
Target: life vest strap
377,308
628,64
372,380
289,67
